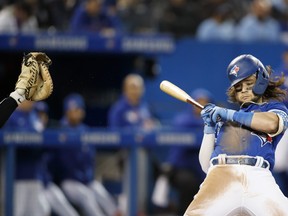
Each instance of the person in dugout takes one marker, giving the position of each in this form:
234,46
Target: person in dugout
29,196
17,113
181,167
73,168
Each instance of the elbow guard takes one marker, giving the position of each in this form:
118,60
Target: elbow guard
282,123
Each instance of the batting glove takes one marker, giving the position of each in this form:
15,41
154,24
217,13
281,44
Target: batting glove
222,114
209,127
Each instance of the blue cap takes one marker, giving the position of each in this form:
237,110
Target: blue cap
41,106
73,101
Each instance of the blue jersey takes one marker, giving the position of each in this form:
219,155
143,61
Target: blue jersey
234,139
81,21
30,162
75,163
122,114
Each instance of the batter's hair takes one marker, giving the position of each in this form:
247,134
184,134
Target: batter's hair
272,92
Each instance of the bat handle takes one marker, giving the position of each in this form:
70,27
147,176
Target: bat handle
195,103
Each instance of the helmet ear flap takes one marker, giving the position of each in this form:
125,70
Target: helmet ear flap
262,81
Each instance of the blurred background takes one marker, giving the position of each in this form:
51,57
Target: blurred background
94,46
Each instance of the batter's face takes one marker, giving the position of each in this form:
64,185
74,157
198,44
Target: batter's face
243,90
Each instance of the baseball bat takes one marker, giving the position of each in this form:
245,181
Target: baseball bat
178,93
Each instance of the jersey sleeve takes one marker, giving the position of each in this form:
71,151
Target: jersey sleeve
282,112
7,107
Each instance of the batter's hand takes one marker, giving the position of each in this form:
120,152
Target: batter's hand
221,114
206,115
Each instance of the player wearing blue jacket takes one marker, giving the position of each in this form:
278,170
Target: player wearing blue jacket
74,167
29,196
238,147
91,16
131,112
186,173
123,114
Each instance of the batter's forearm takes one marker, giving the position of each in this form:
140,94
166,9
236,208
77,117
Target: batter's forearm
266,122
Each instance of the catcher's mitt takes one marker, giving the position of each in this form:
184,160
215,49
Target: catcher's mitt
35,80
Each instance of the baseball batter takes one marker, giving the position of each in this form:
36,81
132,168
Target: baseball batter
238,147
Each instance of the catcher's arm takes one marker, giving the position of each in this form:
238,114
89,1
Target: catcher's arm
7,107
34,83
9,104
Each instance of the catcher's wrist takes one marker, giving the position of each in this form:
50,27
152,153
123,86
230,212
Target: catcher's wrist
209,129
17,97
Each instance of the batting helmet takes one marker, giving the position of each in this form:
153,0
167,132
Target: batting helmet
246,65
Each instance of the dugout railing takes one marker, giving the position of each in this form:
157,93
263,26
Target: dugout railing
101,138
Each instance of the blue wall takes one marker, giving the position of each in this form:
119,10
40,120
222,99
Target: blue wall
203,65
188,63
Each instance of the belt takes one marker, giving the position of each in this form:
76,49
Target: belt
241,160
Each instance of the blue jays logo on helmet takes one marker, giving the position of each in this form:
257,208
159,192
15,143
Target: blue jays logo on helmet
244,66
234,70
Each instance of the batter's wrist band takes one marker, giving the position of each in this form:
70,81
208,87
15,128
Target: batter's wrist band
244,118
230,114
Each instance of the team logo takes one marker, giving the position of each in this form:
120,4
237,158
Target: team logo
234,70
264,139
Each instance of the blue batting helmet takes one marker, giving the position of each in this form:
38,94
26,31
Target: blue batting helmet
246,65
